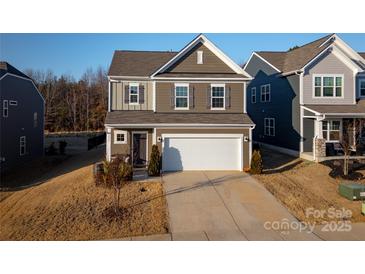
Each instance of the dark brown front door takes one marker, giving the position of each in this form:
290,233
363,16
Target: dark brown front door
139,149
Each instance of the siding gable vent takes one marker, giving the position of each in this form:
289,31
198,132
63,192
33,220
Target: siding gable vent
199,57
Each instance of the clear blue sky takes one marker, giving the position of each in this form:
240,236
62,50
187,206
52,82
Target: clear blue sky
73,53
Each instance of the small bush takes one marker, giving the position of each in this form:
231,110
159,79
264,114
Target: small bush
256,162
62,147
51,150
154,165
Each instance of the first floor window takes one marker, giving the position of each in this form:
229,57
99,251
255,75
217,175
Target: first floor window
328,86
266,93
269,126
181,96
218,96
120,137
133,93
362,88
253,95
331,130
5,108
22,145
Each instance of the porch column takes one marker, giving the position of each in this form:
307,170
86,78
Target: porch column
108,143
319,144
318,128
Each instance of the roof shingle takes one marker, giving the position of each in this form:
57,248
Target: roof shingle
5,67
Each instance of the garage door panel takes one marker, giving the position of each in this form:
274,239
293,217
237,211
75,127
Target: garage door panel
201,153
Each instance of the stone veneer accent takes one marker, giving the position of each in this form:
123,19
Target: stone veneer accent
319,148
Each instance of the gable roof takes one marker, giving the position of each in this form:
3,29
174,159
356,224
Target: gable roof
5,67
295,59
138,63
206,42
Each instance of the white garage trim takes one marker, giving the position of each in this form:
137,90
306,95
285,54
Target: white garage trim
212,136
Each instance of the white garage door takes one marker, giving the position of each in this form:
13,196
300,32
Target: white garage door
202,152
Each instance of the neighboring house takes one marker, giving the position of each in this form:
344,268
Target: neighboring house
301,99
22,112
190,103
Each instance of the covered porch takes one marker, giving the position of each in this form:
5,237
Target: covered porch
329,131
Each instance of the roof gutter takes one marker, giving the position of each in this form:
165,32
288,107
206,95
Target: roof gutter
296,72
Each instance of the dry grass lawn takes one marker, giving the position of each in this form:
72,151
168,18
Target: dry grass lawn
308,185
71,207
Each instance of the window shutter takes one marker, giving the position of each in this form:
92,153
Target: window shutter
172,96
228,97
126,94
208,96
191,97
141,94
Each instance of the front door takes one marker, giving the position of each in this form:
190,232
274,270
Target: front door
139,149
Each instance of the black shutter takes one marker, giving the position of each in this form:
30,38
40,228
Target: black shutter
228,97
208,97
126,94
191,97
172,96
141,94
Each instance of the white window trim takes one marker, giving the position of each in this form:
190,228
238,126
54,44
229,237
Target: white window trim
187,95
199,57
328,130
360,82
13,103
24,140
334,88
125,133
133,85
5,102
267,92
211,96
253,95
273,127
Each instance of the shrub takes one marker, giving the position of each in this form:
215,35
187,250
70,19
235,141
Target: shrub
62,147
256,162
154,165
99,174
51,150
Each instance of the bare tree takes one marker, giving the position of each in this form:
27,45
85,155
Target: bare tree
350,141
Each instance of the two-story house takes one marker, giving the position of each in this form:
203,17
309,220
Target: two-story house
301,100
190,103
21,118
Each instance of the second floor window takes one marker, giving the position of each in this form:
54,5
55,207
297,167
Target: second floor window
35,119
182,96
362,88
5,108
266,93
133,93
328,86
253,95
218,96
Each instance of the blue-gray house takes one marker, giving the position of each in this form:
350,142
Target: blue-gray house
22,118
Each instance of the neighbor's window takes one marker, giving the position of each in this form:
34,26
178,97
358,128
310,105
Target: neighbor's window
22,143
35,119
266,93
217,96
5,108
120,137
362,88
331,130
253,95
328,86
269,126
133,93
181,96
199,57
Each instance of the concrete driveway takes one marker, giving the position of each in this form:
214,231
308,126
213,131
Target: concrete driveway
224,206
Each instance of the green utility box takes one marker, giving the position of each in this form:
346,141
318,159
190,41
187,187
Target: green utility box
352,191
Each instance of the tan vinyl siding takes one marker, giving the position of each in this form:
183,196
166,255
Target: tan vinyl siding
329,64
118,94
164,92
211,63
244,131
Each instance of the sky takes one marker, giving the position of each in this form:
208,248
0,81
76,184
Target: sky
72,54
